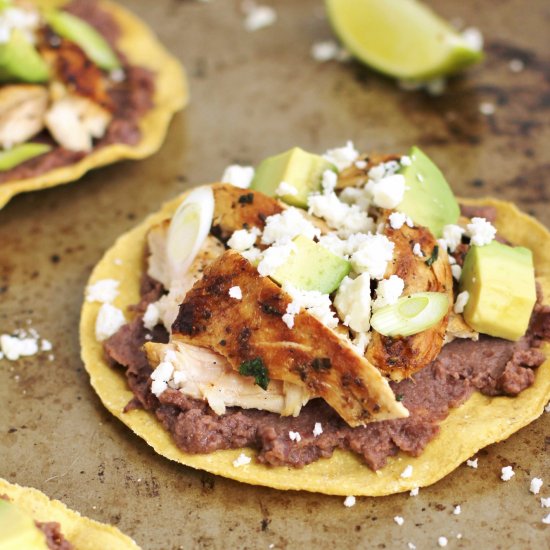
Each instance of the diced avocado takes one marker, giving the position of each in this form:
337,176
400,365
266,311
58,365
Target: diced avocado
84,35
312,267
19,60
17,529
11,158
428,199
501,282
300,169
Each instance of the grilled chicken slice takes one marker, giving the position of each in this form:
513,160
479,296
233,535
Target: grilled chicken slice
74,121
237,208
252,330
358,177
206,375
402,357
22,110
175,280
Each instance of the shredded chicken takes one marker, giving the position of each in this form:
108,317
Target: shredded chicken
74,121
22,109
309,355
401,357
206,375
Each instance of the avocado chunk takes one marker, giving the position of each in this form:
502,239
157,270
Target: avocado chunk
301,170
312,267
428,199
18,530
10,158
501,282
84,35
19,60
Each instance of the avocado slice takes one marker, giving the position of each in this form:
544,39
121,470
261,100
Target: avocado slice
10,158
84,35
428,199
19,60
302,170
501,282
312,267
18,530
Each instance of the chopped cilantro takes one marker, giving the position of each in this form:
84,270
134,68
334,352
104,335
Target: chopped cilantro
399,397
433,257
257,369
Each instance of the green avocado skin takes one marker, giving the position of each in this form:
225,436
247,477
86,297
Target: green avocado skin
428,198
20,61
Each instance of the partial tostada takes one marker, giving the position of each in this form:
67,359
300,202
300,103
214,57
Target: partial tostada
29,520
345,325
82,84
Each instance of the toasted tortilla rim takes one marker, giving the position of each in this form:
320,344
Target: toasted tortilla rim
479,422
82,532
143,49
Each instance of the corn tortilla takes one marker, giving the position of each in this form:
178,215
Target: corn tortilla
479,422
143,49
83,533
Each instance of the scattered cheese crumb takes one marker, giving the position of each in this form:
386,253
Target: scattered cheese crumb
546,519
399,520
536,484
258,17
361,341
456,270
411,546
326,50
342,157
457,510
329,181
104,291
294,436
241,460
46,345
398,219
373,255
547,408
285,188
14,347
353,302
417,250
109,320
480,231
387,192
349,501
407,472
243,239
507,473
161,376
472,463
473,37
317,429
414,492
313,301
118,261
361,164
238,176
388,291
274,257
487,109
282,228
236,292
461,301
151,316
545,502
452,235
516,65
442,541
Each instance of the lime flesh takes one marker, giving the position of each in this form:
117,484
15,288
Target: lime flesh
401,38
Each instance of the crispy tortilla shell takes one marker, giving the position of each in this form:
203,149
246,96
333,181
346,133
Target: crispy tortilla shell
142,48
83,533
479,422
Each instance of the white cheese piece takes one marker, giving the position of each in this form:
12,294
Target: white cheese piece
452,235
414,492
388,292
399,520
285,188
151,316
14,347
507,473
253,255
329,181
361,164
442,542
317,429
45,345
274,257
546,519
236,292
294,436
405,160
258,17
457,510
487,109
326,50
411,546
398,219
480,231
456,270
417,250
104,291
361,341
407,472
342,157
535,485
282,228
373,256
473,38
349,501
516,65
238,176
387,192
472,463
109,320
461,301
314,302
545,502
547,407
160,377
25,20
243,239
352,302
241,460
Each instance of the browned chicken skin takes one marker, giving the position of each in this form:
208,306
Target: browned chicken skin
310,354
402,357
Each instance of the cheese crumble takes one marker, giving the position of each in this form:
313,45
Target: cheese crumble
480,231
109,320
545,502
407,472
238,176
104,291
414,492
398,219
457,510
452,235
442,542
546,519
387,192
258,17
353,301
14,347
461,301
241,460
472,463
342,157
507,473
285,188
373,255
282,228
399,520
535,485
243,239
325,51
317,429
236,292
151,316
294,436
388,291
349,501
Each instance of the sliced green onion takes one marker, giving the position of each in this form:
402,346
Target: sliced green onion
189,228
10,158
411,314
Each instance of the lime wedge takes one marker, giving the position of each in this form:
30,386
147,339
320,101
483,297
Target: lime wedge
401,38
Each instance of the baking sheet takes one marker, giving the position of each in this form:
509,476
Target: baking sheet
255,94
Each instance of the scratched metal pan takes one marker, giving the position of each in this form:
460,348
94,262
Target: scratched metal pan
254,94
